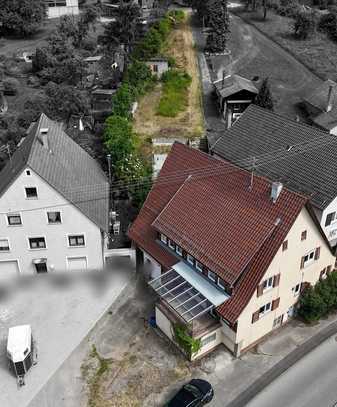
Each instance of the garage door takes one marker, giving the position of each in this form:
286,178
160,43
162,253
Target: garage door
77,263
8,269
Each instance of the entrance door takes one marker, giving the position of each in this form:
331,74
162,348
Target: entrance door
77,263
41,267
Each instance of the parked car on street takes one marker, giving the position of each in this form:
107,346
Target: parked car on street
196,393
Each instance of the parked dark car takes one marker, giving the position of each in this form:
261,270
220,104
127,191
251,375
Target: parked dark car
196,393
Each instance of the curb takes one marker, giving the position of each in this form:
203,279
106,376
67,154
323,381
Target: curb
280,367
270,38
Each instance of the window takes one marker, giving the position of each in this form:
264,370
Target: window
171,244
278,321
54,217
285,245
4,245
267,284
37,243
31,192
14,220
163,238
208,339
296,290
303,235
330,218
56,3
27,172
212,276
308,258
265,309
190,259
179,250
198,266
221,284
155,68
76,240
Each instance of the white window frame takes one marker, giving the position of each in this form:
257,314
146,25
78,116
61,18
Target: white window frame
31,197
297,292
307,263
171,244
190,259
11,215
54,223
76,246
198,266
267,309
209,275
9,246
268,284
333,219
220,284
76,257
163,238
28,172
179,250
37,248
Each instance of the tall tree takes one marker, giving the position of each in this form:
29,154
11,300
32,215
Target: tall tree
218,21
124,29
264,97
21,17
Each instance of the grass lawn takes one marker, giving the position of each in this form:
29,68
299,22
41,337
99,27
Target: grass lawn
318,53
182,111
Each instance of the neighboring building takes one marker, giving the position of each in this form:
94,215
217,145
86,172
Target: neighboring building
321,106
234,94
101,102
309,169
58,8
227,257
92,63
54,205
158,66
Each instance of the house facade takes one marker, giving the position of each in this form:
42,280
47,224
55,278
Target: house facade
302,157
51,217
59,8
227,258
158,66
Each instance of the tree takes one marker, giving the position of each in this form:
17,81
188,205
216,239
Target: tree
264,97
312,306
305,24
21,17
138,77
122,101
218,21
124,29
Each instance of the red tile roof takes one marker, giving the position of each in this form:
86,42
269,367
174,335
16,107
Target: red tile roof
214,216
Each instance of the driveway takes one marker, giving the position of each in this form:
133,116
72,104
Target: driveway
61,311
254,55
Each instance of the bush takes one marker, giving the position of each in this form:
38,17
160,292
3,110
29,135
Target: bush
328,25
139,77
287,8
11,86
174,97
122,101
304,25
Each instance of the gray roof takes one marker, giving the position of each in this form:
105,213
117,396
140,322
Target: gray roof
65,166
309,169
233,84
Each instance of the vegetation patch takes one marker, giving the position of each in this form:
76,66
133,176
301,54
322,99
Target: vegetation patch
188,344
174,98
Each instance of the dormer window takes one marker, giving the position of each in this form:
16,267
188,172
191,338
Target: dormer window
198,266
190,259
171,244
179,250
31,192
163,238
212,276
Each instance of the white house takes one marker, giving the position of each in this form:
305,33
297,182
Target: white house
54,204
300,156
58,8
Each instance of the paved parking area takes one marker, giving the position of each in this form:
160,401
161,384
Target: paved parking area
61,311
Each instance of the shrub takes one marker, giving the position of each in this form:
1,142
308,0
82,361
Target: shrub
11,86
288,8
122,101
304,25
138,77
328,24
185,341
174,95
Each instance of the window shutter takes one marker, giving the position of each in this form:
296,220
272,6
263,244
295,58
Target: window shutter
302,262
277,280
255,316
317,253
275,303
259,290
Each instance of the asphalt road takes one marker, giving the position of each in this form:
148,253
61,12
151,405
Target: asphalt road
312,382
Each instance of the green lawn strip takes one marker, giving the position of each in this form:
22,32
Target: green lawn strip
174,98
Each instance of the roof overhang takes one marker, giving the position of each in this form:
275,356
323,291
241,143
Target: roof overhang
188,293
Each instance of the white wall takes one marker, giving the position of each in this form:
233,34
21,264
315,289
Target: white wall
152,268
331,230
70,9
35,224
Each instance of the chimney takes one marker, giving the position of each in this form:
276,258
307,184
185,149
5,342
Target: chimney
44,137
330,99
276,188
